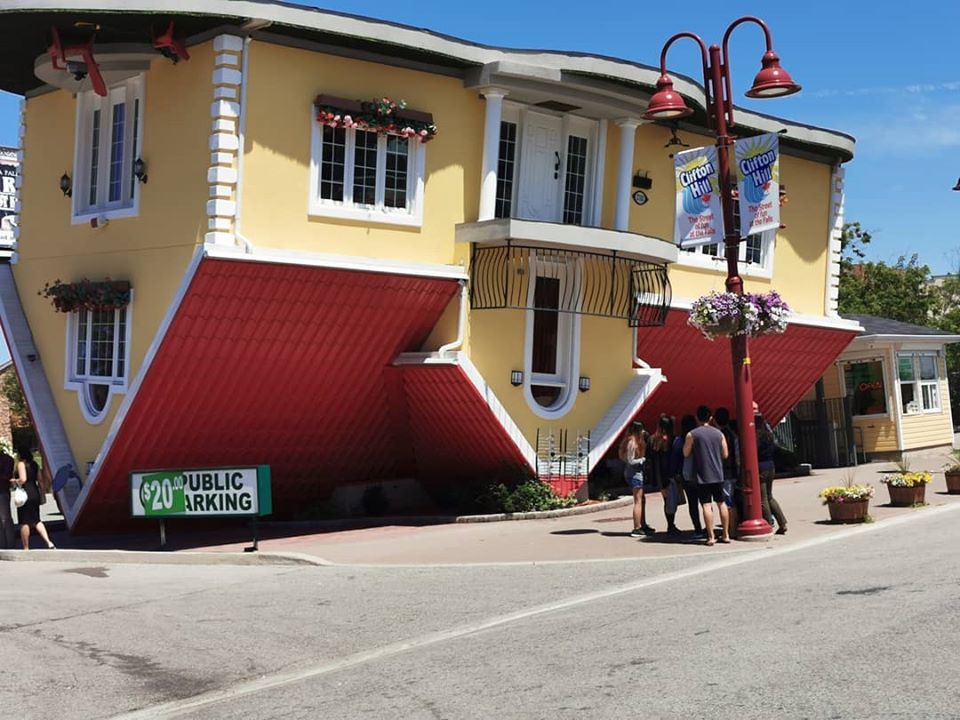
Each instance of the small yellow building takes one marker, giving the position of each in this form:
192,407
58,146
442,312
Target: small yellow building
895,375
360,252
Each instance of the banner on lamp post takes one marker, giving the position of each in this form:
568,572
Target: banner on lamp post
758,183
699,214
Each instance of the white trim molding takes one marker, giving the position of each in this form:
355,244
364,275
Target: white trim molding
623,410
831,303
223,177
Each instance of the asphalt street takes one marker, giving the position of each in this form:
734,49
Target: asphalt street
858,625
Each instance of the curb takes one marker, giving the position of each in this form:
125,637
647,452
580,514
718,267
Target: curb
543,514
117,557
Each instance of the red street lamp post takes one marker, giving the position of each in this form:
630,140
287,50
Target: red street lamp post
666,104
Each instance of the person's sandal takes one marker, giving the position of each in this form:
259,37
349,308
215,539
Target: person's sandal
51,546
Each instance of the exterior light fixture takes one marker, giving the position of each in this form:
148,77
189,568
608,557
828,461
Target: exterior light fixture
516,377
666,103
643,182
772,80
140,170
957,186
584,383
66,185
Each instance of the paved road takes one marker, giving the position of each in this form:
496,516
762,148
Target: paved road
860,625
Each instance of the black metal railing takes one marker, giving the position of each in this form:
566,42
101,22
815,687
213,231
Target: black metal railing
601,284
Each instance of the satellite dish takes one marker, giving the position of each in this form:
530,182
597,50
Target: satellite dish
63,475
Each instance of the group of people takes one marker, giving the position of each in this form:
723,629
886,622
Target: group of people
700,467
23,474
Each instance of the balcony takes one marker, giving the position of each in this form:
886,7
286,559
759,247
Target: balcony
603,284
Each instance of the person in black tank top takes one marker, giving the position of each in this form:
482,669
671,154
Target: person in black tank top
27,477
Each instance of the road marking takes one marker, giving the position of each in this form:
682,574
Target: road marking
179,708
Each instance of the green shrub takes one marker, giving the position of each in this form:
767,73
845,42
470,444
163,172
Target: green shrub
530,495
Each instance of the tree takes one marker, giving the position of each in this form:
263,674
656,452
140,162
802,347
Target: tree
898,292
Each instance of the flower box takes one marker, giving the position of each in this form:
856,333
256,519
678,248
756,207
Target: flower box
380,115
87,295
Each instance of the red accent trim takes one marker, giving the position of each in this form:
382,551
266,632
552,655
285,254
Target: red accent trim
59,54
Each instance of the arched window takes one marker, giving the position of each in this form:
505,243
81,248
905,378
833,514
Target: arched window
552,348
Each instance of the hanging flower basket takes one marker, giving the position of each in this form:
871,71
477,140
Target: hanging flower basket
726,313
381,115
87,295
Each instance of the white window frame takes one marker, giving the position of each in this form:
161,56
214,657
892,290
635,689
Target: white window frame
568,341
82,383
917,383
131,93
412,215
570,125
696,257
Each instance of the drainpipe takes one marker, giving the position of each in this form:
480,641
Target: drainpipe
462,325
637,361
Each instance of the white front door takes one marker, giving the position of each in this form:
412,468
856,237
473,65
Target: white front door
538,197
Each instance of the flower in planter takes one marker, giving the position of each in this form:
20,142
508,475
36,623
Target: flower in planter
846,493
726,313
87,295
908,479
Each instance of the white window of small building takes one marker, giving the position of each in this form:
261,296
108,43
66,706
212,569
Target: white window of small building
919,380
363,175
108,144
98,357
864,383
552,347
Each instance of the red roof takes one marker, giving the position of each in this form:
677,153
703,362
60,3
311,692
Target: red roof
274,364
700,371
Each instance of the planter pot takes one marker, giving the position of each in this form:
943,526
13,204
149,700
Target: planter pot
848,512
953,482
907,496
726,326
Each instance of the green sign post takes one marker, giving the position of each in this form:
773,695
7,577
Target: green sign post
207,492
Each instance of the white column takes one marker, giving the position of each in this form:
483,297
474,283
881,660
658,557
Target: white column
491,152
628,135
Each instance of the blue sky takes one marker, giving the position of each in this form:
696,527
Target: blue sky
889,78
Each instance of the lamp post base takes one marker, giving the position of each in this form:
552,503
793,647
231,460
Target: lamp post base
754,530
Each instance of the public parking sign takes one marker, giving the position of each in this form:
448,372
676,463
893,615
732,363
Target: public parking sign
208,492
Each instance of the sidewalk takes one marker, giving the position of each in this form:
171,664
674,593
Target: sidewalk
601,535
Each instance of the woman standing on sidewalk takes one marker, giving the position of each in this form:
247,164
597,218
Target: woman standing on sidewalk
766,447
659,477
28,515
633,451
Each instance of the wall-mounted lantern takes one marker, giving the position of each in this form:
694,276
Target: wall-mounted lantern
516,377
584,383
140,170
66,185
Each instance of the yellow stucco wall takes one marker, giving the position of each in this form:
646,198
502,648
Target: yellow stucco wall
800,254
151,250
605,357
282,84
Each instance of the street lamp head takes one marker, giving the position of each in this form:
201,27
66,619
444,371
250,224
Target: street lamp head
666,103
772,80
